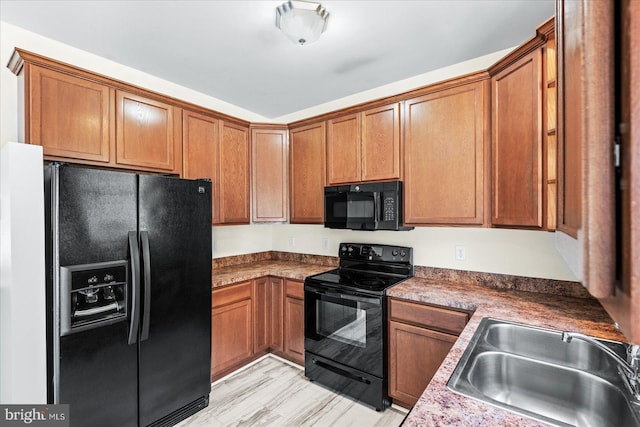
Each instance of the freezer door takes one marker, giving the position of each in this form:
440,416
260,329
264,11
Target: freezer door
90,213
175,339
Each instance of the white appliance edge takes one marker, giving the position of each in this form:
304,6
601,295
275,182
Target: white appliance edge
23,361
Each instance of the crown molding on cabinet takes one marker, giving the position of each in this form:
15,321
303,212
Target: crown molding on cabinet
21,56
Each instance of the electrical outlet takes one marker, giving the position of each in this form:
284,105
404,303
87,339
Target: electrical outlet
461,253
213,246
325,243
292,242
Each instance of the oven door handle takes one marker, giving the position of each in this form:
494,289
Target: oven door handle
349,297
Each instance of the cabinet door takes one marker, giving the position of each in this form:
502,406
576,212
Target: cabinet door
571,112
261,315
200,139
294,329
307,174
381,146
343,150
414,357
269,175
231,335
517,144
294,321
234,174
148,133
69,116
445,156
277,314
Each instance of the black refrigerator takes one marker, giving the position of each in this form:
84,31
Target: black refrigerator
128,295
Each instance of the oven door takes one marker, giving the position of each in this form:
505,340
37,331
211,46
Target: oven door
345,328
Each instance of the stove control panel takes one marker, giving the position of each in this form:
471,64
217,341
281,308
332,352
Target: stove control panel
375,252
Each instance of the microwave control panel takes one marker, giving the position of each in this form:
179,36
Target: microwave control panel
389,209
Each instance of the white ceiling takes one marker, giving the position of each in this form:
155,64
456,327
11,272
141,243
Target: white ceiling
231,50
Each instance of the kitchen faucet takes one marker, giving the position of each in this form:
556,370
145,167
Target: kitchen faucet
629,366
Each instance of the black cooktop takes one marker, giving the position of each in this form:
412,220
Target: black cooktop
359,281
368,268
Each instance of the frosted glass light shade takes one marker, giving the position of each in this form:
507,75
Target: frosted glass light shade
301,21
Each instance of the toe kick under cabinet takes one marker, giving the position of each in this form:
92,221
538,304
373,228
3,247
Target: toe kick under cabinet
420,337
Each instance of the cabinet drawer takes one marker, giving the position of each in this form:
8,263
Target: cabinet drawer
231,294
295,289
428,316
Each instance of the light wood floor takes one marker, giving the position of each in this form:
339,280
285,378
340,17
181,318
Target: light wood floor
274,393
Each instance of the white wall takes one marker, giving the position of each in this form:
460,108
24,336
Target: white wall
526,253
23,366
517,252
476,64
12,37
241,239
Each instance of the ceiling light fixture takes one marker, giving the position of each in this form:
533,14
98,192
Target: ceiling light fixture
301,21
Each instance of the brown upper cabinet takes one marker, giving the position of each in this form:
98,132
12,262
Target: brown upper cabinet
517,172
343,150
364,146
597,106
148,133
81,119
200,144
219,151
70,117
572,114
234,174
445,156
269,174
381,144
307,173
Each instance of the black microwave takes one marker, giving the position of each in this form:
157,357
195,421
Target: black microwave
369,206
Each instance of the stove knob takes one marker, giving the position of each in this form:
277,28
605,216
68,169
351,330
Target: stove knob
394,252
343,249
350,249
403,253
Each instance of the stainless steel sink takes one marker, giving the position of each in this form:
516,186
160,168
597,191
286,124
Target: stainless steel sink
547,345
530,371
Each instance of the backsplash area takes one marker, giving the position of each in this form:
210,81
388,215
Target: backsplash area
504,281
490,280
490,250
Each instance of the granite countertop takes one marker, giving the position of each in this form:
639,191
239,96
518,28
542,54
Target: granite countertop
287,269
439,406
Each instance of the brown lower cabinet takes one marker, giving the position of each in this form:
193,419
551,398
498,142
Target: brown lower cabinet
251,318
420,337
294,321
231,327
261,314
276,333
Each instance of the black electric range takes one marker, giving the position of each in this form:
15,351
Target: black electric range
346,320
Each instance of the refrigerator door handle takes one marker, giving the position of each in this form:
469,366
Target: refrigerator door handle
135,287
146,263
